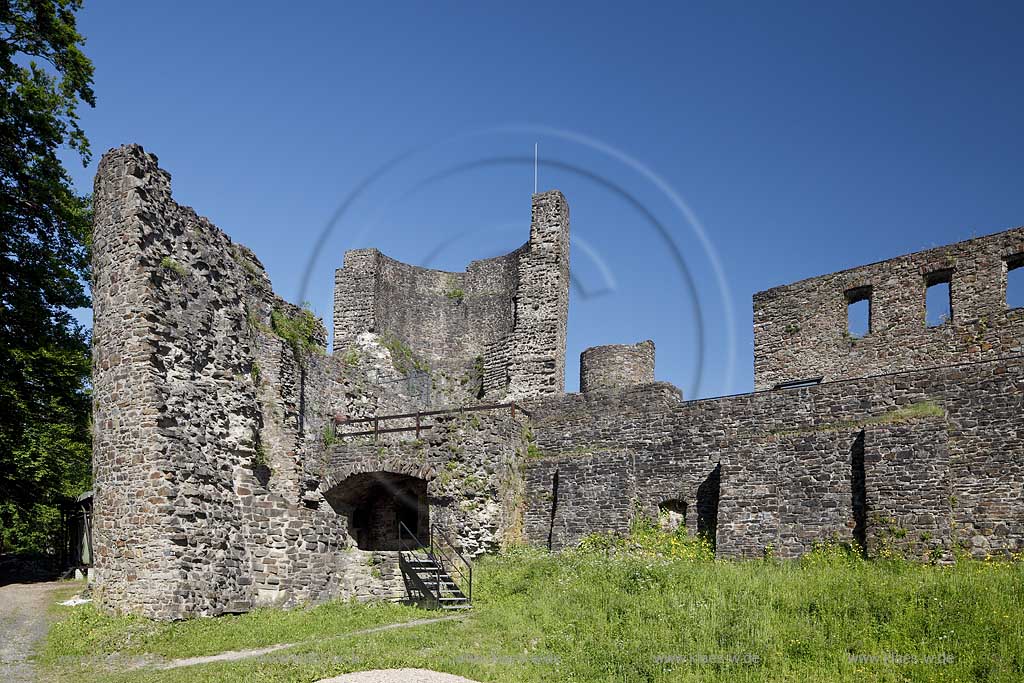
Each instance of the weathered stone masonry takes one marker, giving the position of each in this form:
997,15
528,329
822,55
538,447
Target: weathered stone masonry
506,316
800,330
222,484
616,366
940,452
216,482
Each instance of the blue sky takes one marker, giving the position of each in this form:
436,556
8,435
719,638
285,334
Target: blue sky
801,138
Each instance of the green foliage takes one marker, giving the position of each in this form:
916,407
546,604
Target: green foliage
454,291
168,263
402,357
85,630
621,608
532,451
44,262
351,357
255,372
330,434
298,329
259,458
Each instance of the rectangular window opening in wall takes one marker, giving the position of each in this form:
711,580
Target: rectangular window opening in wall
858,312
1015,281
938,298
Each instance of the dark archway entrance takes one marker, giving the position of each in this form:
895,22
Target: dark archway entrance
375,503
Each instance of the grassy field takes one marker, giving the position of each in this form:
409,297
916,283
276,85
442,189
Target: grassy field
655,607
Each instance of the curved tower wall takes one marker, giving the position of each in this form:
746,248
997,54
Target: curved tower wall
504,316
617,366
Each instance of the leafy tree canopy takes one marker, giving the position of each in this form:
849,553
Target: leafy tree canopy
44,265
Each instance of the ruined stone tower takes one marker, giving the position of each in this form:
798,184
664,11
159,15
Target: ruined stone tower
506,315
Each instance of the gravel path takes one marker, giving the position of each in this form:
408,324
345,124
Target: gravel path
397,676
24,618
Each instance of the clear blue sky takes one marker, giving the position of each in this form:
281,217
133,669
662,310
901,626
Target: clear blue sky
804,137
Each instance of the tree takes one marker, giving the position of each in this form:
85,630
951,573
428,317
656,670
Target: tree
44,267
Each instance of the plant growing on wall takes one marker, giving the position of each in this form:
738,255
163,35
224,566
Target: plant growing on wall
454,291
330,435
297,329
351,357
167,263
402,357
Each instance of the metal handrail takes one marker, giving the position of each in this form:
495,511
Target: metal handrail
414,575
412,537
438,554
469,568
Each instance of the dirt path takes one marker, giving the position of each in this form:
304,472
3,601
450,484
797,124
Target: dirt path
397,676
24,618
247,654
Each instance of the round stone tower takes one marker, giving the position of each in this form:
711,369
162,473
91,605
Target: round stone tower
616,366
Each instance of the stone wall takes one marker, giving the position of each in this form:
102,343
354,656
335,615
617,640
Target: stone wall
503,318
915,461
214,402
800,330
201,411
221,482
471,464
447,318
616,365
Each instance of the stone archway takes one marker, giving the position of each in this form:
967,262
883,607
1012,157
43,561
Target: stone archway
376,502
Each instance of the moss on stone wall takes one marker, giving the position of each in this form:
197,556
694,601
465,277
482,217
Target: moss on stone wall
297,329
402,356
914,411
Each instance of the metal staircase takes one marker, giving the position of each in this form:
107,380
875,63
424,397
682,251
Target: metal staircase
435,573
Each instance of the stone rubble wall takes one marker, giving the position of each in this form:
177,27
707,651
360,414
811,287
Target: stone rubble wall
941,462
616,366
472,464
209,425
536,346
800,329
503,318
913,498
447,318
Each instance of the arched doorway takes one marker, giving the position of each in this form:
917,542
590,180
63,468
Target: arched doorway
376,502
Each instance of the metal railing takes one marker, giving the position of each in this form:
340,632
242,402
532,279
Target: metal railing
418,415
407,540
441,547
447,559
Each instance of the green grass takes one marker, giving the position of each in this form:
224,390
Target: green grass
653,607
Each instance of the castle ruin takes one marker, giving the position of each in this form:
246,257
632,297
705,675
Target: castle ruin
238,464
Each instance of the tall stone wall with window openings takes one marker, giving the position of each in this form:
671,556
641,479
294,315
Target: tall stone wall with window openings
800,330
